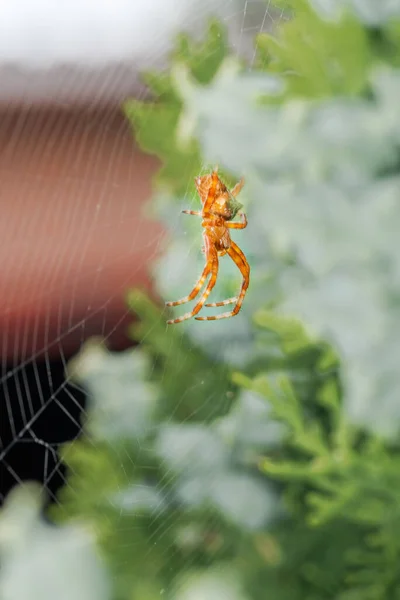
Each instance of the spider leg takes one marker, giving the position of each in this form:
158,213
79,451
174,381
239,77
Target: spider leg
223,302
196,288
212,265
229,300
238,188
241,225
192,212
239,258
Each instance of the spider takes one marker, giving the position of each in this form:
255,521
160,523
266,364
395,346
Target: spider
219,207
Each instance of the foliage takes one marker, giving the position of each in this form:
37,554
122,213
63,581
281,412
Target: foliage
318,57
167,490
203,59
42,562
345,186
260,456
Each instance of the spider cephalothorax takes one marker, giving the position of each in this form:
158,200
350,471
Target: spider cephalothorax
219,207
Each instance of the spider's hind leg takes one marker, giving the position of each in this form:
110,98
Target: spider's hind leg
229,300
239,259
195,290
212,263
223,302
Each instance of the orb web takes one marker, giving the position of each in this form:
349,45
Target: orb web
75,257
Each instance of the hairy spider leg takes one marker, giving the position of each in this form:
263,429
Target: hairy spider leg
192,212
241,225
239,258
231,300
238,188
201,279
212,261
196,288
223,302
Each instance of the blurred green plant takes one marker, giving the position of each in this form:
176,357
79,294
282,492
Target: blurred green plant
260,455
40,561
203,59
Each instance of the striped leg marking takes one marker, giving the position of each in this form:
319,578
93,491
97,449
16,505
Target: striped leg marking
239,258
212,264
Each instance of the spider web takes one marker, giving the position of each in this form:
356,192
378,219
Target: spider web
69,263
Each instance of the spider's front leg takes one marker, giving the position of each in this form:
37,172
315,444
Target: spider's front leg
241,225
192,212
238,188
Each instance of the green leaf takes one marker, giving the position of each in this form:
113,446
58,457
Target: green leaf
368,11
318,57
155,121
243,499
176,362
122,402
211,584
42,562
191,448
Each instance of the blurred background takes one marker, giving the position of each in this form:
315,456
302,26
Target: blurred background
230,459
74,185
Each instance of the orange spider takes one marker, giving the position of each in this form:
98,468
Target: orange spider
218,210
